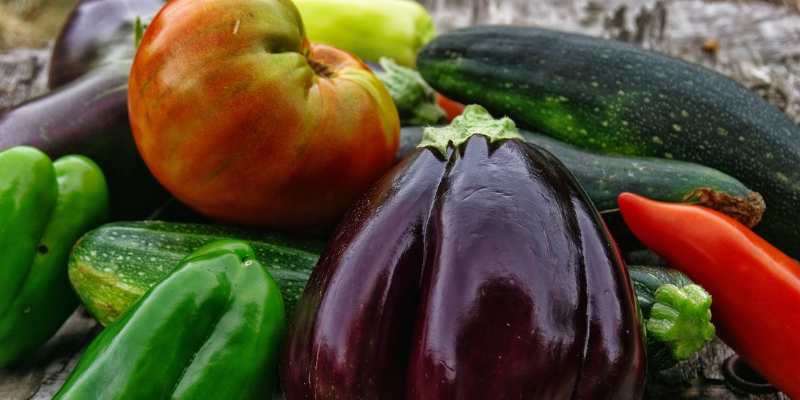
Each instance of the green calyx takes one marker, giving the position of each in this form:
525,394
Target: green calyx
681,319
475,120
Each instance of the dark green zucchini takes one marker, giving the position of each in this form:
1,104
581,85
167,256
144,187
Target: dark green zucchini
614,97
605,176
112,266
676,313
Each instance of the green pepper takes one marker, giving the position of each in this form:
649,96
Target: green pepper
45,207
210,329
370,29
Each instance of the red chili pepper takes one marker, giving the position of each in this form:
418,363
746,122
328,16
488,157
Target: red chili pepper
451,107
755,287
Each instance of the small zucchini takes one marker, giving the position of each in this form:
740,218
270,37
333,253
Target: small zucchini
614,97
605,176
112,266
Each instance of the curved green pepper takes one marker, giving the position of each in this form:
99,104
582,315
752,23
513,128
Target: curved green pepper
211,329
370,29
45,207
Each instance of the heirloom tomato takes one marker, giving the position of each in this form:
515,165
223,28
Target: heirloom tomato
244,120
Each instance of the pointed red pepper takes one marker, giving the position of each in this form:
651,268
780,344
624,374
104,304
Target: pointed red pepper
756,287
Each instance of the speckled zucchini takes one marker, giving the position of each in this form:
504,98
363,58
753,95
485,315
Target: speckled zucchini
112,266
618,98
605,176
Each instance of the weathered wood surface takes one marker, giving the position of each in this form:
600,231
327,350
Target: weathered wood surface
23,74
39,376
758,45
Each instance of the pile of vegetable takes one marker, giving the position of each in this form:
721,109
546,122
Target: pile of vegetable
376,211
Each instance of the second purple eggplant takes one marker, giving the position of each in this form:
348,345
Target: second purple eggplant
86,111
476,269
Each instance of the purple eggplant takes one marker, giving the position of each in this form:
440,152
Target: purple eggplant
86,112
476,269
95,33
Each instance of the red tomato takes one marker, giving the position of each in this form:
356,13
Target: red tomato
244,120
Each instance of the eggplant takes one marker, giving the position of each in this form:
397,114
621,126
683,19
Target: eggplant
86,111
95,33
477,268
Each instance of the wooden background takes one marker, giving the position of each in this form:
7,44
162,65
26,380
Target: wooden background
754,42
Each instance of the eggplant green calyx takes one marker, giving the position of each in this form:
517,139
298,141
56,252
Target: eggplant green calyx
475,120
681,318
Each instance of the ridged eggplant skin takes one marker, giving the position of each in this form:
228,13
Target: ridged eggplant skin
484,274
360,302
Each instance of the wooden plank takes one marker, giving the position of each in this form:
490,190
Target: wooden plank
41,374
23,74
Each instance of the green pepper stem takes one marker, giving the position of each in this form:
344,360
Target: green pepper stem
414,98
681,319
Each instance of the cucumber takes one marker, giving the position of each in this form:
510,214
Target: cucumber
617,98
112,266
676,314
605,176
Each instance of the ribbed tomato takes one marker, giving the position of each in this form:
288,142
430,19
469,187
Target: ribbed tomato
244,120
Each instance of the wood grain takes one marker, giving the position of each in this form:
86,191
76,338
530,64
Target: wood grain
23,74
40,375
